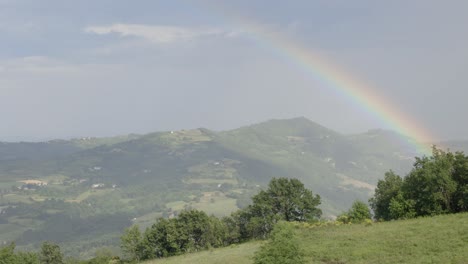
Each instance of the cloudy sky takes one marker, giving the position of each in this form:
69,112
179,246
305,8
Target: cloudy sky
107,67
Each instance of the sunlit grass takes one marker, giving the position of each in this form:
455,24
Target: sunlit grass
440,239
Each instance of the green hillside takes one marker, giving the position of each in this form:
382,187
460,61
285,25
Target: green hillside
138,178
439,239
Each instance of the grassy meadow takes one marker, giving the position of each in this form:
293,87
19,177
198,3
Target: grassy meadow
439,239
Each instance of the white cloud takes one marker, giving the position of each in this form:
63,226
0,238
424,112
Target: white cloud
158,34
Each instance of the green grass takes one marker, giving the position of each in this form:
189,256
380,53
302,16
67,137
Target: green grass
85,195
212,203
221,206
440,239
233,254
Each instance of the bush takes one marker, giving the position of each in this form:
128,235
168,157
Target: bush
282,248
358,213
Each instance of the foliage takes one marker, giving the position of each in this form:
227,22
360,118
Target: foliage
7,254
285,199
436,185
358,213
191,231
27,257
289,199
386,190
51,253
282,248
406,241
131,243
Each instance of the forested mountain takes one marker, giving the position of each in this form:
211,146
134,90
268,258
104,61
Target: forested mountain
83,192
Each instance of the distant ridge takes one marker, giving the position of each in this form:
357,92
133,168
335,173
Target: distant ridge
137,178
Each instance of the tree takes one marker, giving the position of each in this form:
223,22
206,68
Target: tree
436,185
191,231
51,254
386,190
460,176
7,254
359,212
289,199
131,243
401,208
161,239
282,248
285,199
430,184
194,226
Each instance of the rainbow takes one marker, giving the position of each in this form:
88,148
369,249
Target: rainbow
355,92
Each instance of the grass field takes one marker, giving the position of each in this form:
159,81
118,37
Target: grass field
440,239
233,254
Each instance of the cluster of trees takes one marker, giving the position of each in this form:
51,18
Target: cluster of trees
284,200
436,185
49,253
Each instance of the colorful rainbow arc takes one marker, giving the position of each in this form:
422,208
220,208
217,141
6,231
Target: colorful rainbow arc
355,92
358,94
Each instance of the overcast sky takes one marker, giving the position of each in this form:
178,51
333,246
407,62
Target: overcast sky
107,67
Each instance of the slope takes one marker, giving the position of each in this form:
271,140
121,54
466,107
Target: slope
439,239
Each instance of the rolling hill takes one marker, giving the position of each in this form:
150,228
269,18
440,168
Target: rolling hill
137,178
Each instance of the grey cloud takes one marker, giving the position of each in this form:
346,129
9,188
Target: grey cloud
157,33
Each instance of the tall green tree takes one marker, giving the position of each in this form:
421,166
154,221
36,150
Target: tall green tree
386,190
7,254
51,253
131,243
285,199
431,184
289,199
460,176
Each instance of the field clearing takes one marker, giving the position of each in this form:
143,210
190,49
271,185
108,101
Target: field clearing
147,220
211,181
439,239
83,196
8,184
176,206
212,203
221,206
14,198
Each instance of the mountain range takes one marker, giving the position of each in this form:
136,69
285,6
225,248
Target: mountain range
67,190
